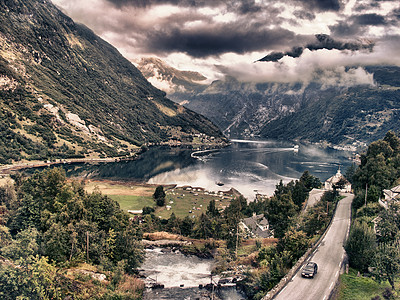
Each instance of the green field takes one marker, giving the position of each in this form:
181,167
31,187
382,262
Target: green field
360,288
182,201
128,202
189,203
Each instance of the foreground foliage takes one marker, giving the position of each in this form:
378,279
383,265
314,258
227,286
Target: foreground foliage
50,224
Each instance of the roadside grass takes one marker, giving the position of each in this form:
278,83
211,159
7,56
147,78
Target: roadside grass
352,287
129,202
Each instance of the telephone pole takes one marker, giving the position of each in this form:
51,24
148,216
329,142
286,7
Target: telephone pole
87,246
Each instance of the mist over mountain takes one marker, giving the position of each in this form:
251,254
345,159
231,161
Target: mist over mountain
343,107
65,92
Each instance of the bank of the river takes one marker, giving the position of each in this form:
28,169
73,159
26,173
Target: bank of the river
198,144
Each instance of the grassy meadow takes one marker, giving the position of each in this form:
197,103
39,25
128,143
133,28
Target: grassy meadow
353,287
183,201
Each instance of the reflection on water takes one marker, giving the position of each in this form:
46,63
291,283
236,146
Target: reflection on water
247,166
256,167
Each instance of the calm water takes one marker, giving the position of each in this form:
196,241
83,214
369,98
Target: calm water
248,166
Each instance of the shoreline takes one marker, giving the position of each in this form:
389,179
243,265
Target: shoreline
20,165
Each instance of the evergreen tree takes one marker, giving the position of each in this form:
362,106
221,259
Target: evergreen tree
159,195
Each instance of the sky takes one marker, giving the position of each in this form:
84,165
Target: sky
298,40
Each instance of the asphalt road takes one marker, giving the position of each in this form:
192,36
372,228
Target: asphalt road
329,256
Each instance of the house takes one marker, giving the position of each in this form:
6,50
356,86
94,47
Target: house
330,182
390,195
256,226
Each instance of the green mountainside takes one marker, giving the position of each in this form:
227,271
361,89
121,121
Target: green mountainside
65,92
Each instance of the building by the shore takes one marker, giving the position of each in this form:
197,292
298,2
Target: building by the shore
334,180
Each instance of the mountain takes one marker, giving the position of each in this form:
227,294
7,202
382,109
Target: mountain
315,112
173,81
351,116
65,92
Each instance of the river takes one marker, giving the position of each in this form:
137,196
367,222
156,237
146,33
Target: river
248,166
181,275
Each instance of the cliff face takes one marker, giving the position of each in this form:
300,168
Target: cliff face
66,92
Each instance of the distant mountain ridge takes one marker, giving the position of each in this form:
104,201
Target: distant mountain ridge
338,115
65,92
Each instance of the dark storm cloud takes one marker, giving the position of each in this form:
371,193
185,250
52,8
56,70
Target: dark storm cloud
323,42
249,6
181,3
320,5
219,39
369,19
346,29
357,24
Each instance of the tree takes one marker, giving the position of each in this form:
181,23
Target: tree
159,195
25,246
386,262
212,210
360,246
56,243
295,242
299,194
202,228
233,215
36,280
129,248
349,174
392,139
389,225
173,224
280,211
310,181
186,226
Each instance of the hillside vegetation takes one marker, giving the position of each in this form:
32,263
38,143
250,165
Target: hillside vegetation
64,92
373,246
59,242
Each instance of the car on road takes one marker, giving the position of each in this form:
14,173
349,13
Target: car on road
309,270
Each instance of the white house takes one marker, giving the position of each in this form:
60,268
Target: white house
390,195
256,226
330,182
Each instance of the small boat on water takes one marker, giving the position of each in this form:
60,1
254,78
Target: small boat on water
296,148
219,183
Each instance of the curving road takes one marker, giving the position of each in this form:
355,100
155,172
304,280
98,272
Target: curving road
329,257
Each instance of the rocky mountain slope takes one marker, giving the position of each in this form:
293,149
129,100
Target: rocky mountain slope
308,111
65,92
